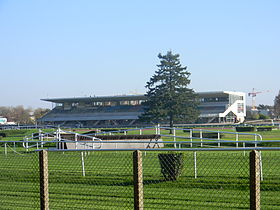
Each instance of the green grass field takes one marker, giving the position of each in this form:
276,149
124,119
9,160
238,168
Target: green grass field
222,180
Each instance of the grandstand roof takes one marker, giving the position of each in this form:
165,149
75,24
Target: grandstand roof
96,98
219,93
127,97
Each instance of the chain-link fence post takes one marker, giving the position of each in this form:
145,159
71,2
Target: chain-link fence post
255,197
44,180
138,180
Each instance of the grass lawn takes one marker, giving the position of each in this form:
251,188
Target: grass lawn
222,178
222,181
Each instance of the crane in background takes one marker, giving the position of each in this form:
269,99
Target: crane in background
253,94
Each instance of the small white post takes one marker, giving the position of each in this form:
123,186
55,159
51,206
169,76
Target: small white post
5,149
26,144
244,149
200,131
83,164
261,171
219,143
41,138
93,145
37,143
236,139
191,137
57,139
256,138
195,166
76,141
174,137
158,130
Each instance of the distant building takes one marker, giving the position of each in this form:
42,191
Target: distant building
221,106
3,120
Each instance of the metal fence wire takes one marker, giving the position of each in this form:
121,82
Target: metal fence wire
139,179
270,184
19,178
90,180
195,180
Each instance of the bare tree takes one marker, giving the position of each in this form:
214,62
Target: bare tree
40,112
17,114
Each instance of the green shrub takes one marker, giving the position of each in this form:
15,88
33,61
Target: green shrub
255,117
245,129
263,117
187,131
171,165
14,132
264,128
3,135
208,135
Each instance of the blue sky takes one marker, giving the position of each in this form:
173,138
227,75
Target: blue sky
65,48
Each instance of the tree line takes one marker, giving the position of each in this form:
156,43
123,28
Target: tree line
22,115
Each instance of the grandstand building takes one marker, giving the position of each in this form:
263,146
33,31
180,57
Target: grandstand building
221,106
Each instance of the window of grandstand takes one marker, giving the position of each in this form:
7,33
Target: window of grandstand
233,98
75,104
98,103
124,102
211,109
214,99
240,108
134,102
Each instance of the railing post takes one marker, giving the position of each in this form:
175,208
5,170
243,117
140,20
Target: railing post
236,139
174,137
138,180
201,136
44,180
255,196
195,165
5,149
191,137
219,138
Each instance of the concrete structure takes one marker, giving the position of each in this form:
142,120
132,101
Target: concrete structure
220,106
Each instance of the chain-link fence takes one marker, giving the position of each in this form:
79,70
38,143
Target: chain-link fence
90,180
270,184
19,178
196,180
144,179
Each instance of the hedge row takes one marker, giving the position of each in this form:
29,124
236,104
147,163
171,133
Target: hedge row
251,128
209,135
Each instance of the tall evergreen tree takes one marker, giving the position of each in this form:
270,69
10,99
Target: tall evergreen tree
169,98
277,105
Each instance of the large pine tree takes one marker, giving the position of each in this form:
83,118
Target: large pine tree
169,98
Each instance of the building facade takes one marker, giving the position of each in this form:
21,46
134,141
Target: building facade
220,106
